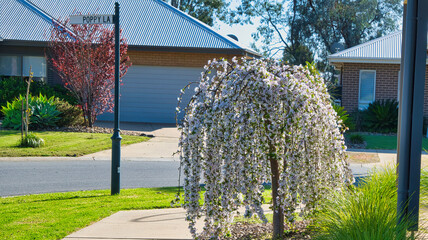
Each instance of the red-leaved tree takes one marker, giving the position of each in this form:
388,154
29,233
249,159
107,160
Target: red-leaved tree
83,56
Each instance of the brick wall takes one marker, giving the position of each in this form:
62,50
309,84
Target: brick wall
177,59
386,83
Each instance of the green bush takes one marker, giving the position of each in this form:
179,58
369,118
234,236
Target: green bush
12,87
356,139
70,115
382,116
31,140
357,120
367,212
43,112
343,115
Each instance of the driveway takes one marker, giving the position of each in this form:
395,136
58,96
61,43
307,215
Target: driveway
160,148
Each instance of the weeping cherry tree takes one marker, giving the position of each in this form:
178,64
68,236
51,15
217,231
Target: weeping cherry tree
259,121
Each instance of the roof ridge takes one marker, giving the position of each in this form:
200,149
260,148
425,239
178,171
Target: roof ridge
199,23
368,43
33,7
45,16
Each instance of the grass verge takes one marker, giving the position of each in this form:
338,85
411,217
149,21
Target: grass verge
55,215
70,144
386,142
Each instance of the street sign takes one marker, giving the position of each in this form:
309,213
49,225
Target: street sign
91,19
116,138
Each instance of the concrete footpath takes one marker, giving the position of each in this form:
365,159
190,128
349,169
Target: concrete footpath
159,224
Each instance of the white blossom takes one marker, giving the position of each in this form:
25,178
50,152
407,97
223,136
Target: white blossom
243,117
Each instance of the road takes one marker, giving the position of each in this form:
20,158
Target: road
32,177
25,177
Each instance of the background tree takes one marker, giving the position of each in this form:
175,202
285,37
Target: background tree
204,10
312,26
254,122
83,56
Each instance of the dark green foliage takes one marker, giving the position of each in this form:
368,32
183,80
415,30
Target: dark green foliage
12,87
382,116
343,115
204,10
43,112
70,115
356,139
357,120
31,140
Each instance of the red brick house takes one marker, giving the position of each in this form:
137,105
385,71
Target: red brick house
167,48
370,71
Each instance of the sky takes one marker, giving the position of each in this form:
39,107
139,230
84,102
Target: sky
243,32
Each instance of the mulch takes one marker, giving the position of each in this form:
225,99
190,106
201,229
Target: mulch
90,130
262,231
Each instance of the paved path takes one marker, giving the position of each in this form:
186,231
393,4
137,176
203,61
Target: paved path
159,224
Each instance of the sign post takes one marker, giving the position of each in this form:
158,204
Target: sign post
411,113
116,138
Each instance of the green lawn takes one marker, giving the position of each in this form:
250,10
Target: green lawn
55,215
60,143
386,142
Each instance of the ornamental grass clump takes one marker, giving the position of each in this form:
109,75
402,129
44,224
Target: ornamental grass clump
256,121
32,140
367,212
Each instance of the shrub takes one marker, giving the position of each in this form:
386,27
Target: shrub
31,140
343,115
70,115
12,87
367,212
43,112
356,139
357,120
382,116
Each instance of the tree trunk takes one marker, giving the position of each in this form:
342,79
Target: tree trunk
27,122
278,213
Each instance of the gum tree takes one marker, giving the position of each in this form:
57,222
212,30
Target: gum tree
256,121
83,56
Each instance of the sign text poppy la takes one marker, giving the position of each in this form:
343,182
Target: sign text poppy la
92,19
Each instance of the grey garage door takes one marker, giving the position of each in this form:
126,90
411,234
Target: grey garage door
149,93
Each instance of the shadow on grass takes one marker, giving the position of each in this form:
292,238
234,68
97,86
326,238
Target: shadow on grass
8,132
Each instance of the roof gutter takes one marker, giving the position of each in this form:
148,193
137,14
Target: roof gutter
366,60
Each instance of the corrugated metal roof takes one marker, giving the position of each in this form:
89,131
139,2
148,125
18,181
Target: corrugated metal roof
386,49
18,22
144,22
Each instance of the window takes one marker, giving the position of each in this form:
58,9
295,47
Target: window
367,88
10,66
38,67
19,66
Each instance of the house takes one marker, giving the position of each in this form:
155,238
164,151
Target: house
167,48
370,71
